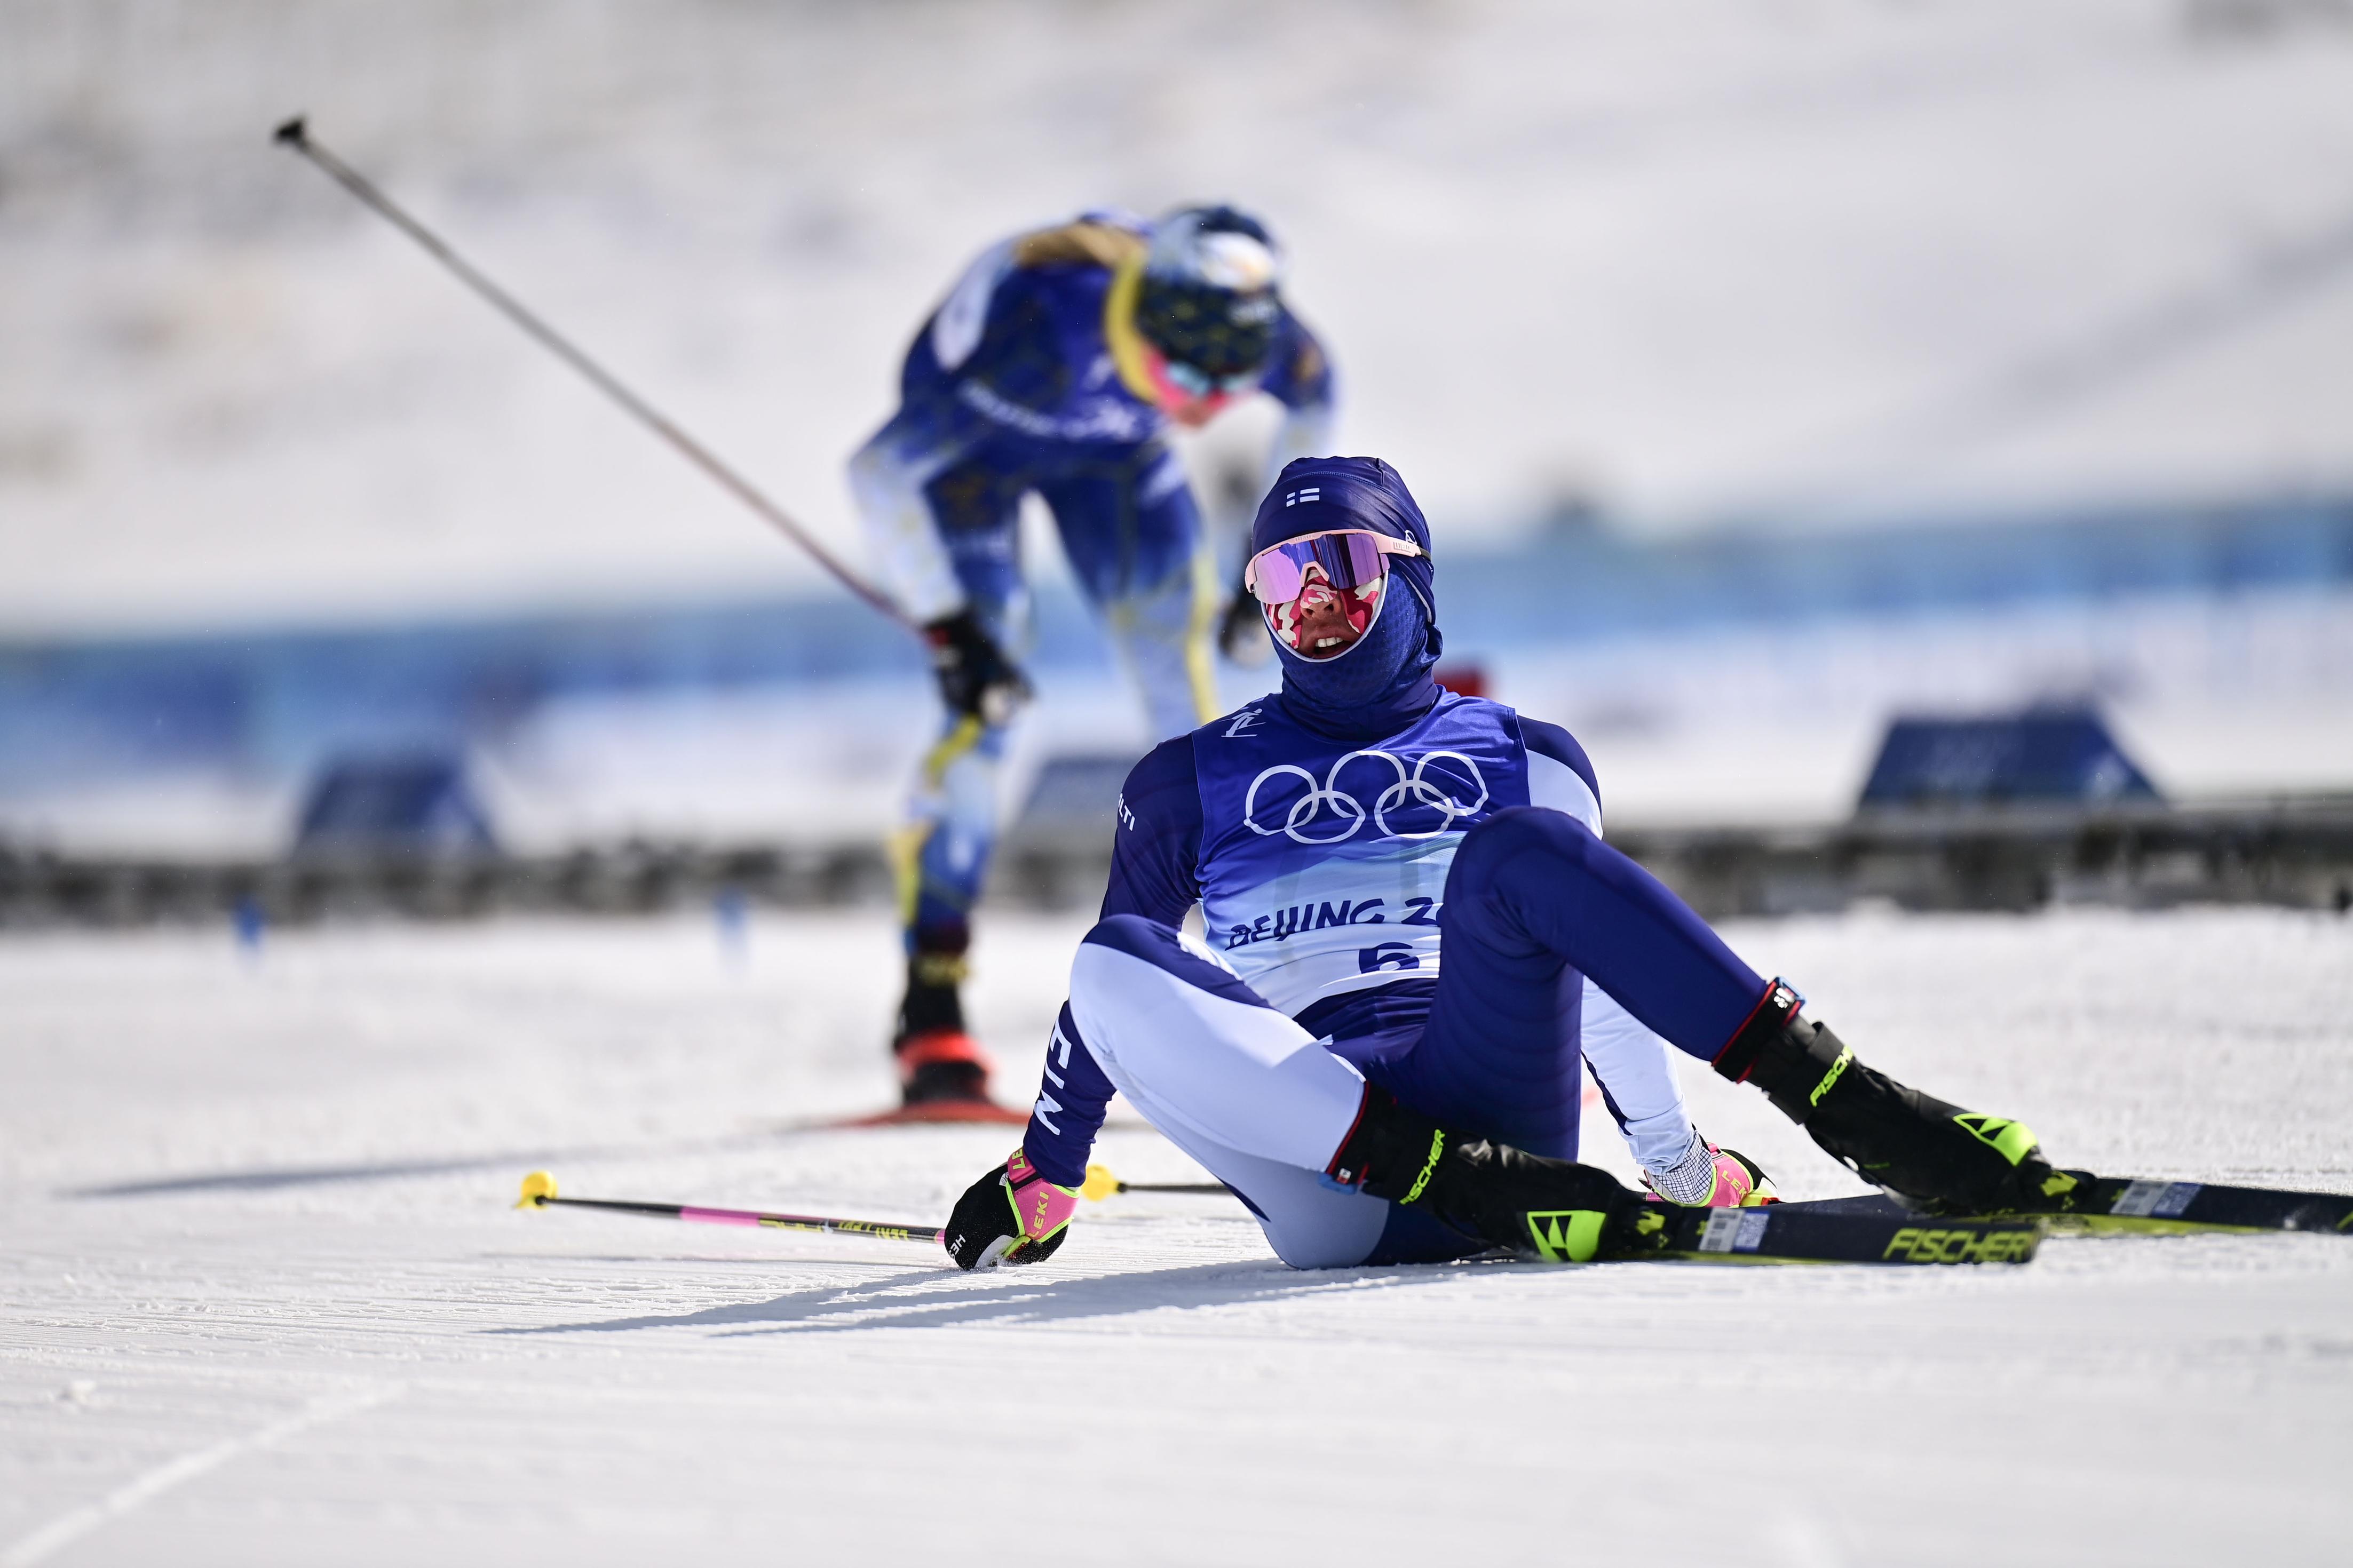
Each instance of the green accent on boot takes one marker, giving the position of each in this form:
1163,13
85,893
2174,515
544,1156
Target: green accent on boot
1437,1152
2058,1184
2013,1141
1830,1078
1575,1241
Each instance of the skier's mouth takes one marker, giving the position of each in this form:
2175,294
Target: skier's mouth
1324,622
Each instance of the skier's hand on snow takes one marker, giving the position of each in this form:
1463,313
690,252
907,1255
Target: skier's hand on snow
975,678
1710,1177
1011,1216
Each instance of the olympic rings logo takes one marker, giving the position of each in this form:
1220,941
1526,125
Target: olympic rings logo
1413,790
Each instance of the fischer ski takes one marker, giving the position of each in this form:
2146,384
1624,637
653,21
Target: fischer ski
1811,1233
1835,1231
2129,1206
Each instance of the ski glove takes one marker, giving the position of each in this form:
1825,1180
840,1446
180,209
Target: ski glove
975,678
1011,1216
1710,1177
1242,629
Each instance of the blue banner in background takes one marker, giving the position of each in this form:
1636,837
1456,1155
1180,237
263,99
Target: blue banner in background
282,704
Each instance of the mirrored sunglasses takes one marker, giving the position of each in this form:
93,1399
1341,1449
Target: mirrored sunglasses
1349,558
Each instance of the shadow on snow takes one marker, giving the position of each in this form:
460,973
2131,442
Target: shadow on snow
922,1298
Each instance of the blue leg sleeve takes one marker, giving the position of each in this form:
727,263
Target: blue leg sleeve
951,831
1131,531
941,854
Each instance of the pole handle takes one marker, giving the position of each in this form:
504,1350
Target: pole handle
1101,1184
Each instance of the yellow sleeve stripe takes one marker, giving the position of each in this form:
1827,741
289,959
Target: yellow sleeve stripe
1127,343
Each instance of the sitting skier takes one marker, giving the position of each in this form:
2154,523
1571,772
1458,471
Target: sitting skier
1369,1103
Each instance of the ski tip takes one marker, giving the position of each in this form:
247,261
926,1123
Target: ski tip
537,1188
938,1111
1100,1184
294,133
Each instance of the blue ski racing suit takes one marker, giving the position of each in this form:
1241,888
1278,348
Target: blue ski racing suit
1032,376
1395,884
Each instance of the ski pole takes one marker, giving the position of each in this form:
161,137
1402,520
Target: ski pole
539,1192
296,135
1101,1184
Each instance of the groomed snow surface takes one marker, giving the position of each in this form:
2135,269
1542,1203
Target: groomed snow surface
262,1300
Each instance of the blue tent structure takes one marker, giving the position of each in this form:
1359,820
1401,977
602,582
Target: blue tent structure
418,805
2044,756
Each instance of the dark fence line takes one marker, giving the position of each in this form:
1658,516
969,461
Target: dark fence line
2290,853
2296,854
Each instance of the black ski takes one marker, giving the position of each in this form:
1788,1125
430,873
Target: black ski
2126,1206
1809,1233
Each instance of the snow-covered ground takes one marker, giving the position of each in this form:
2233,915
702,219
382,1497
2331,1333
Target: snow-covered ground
261,1301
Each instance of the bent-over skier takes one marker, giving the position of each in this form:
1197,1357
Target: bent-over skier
1370,1103
1055,365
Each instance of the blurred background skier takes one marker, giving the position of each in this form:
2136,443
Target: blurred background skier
1056,365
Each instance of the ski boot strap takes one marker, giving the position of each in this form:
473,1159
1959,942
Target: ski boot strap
1391,1151
1797,1064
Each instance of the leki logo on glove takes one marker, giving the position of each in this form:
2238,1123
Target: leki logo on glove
1426,790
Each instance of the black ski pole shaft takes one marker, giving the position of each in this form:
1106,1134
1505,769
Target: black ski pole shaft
1101,1183
294,134
539,1192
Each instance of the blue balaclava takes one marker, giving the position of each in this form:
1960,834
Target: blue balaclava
1383,683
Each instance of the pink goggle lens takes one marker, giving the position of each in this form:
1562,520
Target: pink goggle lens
1349,559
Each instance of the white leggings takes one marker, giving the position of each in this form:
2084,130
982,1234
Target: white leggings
1242,1089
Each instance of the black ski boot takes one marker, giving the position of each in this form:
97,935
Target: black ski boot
939,1061
1933,1156
1554,1209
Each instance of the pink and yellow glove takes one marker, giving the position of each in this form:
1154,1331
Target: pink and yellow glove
1710,1177
1011,1216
